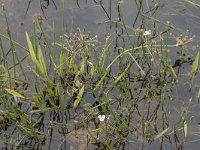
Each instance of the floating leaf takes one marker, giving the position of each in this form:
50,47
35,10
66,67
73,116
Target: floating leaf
79,97
195,65
14,93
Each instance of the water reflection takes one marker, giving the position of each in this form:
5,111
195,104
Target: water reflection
43,5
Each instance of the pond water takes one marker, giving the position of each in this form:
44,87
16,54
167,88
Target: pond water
102,17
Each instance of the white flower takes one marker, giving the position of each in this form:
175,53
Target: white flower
101,117
146,33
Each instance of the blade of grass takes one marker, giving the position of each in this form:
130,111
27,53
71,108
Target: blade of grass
195,65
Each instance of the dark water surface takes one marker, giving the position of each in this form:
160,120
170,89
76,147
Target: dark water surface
100,20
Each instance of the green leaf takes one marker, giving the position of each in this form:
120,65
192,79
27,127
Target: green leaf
72,59
79,97
103,56
92,70
31,50
76,69
57,89
14,93
23,115
82,69
101,80
122,74
62,63
41,61
78,83
195,65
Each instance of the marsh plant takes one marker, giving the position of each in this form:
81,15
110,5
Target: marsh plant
84,93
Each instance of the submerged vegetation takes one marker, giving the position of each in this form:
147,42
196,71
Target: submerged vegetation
82,92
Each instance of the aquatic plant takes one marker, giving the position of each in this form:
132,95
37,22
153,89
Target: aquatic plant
110,95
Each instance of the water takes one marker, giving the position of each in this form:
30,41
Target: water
101,20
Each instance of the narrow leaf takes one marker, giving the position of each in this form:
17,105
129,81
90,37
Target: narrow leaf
92,70
31,50
122,74
173,71
14,93
82,69
23,115
198,95
101,80
185,128
72,59
41,61
62,63
195,65
79,97
161,134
